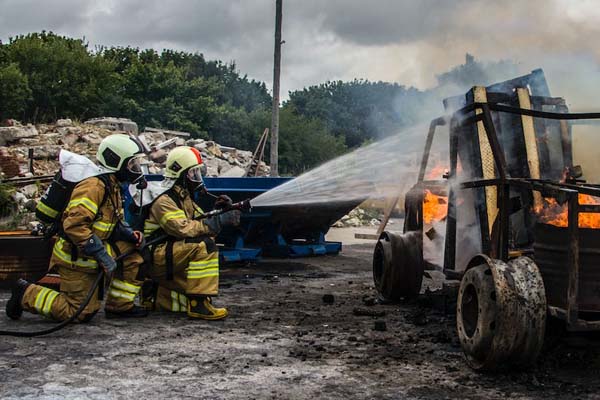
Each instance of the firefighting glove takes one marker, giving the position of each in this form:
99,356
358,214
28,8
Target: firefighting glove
216,223
231,218
223,202
94,248
124,232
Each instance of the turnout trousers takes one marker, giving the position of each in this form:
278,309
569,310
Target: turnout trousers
185,267
76,279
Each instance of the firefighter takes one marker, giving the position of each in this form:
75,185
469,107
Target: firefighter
93,232
186,266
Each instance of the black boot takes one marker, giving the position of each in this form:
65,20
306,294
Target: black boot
133,312
14,307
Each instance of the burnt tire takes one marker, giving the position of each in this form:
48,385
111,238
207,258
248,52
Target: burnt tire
501,313
476,314
398,265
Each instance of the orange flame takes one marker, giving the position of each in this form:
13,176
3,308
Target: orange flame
440,170
436,173
435,208
554,214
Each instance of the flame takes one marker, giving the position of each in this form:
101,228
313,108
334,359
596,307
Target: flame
436,173
440,170
554,214
435,208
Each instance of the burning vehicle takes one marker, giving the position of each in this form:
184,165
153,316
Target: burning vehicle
509,216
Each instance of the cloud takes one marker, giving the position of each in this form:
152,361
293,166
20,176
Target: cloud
394,40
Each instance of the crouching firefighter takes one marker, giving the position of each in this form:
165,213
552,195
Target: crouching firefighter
186,266
92,234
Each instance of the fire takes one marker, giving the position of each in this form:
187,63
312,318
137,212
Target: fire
436,173
435,208
440,170
554,214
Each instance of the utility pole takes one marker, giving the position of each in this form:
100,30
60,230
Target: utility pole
276,71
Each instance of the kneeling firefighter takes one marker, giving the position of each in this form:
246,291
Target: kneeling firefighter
92,232
186,266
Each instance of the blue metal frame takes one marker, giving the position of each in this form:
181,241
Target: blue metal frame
243,243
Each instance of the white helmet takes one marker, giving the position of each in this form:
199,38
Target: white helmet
115,149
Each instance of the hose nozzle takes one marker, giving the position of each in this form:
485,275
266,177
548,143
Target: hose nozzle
243,205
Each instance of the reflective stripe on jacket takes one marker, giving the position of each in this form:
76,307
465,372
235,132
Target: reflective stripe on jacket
175,221
86,214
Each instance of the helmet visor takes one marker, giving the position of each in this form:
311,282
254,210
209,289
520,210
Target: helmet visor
134,165
194,174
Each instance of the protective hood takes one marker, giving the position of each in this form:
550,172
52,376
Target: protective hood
150,193
75,167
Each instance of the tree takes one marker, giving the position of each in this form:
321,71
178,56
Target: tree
64,78
305,143
359,110
183,91
14,92
237,127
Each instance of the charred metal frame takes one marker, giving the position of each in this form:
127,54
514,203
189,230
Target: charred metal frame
561,192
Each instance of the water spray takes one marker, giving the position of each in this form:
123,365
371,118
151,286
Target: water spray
383,169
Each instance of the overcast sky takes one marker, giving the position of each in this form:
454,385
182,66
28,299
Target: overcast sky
406,41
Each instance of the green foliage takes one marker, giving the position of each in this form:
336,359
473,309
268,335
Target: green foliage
65,80
47,76
15,91
44,76
183,91
7,204
239,128
158,95
305,143
359,110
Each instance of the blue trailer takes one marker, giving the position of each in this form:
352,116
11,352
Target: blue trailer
275,231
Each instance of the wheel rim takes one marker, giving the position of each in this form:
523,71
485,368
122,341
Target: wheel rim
378,265
470,310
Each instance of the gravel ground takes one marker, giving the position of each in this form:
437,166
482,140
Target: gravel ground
297,330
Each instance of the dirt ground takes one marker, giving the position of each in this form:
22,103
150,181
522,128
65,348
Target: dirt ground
283,340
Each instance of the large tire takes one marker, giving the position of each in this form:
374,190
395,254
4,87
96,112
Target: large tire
501,313
398,265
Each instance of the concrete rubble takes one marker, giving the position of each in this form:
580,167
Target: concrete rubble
15,131
44,142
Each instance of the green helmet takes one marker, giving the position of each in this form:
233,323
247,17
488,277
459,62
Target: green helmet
115,149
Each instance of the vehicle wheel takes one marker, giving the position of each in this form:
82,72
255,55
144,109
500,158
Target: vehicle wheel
476,314
398,265
501,313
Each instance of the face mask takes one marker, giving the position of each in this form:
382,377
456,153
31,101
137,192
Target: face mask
132,172
134,165
194,179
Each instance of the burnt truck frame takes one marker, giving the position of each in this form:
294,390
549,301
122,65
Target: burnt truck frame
504,295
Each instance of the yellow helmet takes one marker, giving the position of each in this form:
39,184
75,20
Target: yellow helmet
181,159
115,149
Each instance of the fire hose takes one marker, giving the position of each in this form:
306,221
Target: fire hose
240,206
